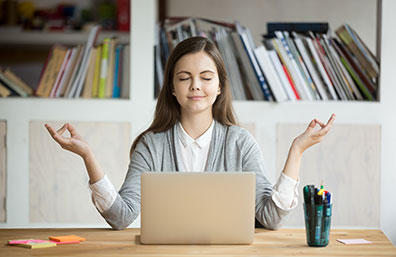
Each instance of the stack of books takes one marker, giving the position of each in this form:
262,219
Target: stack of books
88,70
297,61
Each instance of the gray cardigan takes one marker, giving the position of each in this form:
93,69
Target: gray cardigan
231,149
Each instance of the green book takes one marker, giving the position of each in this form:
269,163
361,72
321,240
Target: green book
103,68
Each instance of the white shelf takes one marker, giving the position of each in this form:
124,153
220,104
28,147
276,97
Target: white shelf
44,38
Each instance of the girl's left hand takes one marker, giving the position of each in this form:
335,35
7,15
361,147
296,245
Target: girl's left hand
312,136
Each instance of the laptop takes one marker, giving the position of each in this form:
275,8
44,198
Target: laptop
197,207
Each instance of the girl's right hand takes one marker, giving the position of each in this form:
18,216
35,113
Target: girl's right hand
75,143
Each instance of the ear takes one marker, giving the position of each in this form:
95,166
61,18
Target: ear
173,90
218,91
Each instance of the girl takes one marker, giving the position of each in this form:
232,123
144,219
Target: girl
194,129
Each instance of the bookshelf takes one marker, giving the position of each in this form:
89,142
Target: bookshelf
40,38
139,109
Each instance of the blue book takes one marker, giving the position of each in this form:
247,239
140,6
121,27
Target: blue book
259,74
117,73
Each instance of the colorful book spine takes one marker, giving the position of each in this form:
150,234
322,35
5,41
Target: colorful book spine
117,72
103,68
95,86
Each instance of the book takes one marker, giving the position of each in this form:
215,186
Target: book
311,68
281,74
95,86
348,79
110,68
88,84
291,68
334,59
103,68
117,72
51,70
253,62
18,82
123,15
272,44
301,67
328,68
297,27
270,73
357,67
78,83
327,82
4,92
338,78
347,36
75,66
353,71
67,73
227,51
11,85
60,73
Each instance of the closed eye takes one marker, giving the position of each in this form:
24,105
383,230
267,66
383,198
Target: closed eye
183,79
207,78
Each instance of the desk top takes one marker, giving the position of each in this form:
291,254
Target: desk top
107,242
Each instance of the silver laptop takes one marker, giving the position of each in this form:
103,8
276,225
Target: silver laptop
197,207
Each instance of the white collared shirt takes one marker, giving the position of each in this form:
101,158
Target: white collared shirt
194,155
194,152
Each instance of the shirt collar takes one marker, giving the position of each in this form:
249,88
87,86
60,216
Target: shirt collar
201,141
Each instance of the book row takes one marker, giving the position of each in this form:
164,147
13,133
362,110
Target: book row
88,70
296,61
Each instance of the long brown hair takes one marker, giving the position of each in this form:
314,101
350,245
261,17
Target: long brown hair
167,111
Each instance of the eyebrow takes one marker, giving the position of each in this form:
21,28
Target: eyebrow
190,72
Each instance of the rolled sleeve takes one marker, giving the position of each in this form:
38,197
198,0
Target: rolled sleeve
285,194
103,194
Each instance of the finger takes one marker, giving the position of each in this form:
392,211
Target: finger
58,138
311,125
50,129
331,119
72,130
62,129
320,123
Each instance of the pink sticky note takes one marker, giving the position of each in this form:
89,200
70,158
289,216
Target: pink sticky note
26,241
354,241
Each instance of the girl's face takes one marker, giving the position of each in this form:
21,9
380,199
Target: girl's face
196,83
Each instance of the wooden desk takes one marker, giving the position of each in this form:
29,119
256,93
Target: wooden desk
106,242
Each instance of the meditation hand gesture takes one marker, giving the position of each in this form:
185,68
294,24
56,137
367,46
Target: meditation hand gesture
75,143
312,136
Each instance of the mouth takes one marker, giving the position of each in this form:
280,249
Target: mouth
196,98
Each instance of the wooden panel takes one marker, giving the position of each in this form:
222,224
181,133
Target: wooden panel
59,191
3,178
348,161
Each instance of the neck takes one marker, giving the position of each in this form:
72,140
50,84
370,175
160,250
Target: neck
196,125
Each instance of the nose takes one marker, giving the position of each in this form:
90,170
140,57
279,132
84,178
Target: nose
195,85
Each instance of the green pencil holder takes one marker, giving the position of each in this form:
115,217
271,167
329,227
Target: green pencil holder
317,224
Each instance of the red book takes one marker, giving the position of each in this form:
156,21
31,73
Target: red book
291,83
123,15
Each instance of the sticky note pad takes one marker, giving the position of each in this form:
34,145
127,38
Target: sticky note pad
65,242
70,238
31,243
354,241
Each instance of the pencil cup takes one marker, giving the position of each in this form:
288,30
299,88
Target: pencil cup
317,223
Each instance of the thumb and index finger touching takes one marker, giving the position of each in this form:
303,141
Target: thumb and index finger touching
57,135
